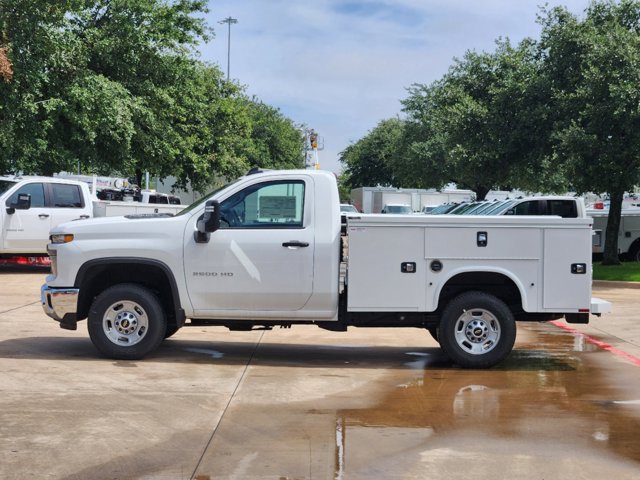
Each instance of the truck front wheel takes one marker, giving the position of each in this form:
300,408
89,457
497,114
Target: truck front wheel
477,330
126,322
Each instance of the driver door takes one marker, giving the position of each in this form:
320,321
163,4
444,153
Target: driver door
261,258
27,231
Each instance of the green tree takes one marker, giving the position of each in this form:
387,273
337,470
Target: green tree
276,142
593,68
94,82
481,126
368,162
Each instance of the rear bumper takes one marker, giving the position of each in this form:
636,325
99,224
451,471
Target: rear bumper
599,306
60,304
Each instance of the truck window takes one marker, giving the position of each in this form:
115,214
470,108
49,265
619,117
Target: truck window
265,205
562,208
66,196
36,190
5,185
527,208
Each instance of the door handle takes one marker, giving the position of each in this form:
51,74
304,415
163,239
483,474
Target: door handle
84,217
43,215
295,243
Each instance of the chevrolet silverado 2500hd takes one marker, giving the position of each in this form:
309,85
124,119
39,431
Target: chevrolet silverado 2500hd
267,250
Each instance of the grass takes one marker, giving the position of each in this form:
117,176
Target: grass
627,272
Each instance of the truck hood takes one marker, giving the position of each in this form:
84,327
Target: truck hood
142,225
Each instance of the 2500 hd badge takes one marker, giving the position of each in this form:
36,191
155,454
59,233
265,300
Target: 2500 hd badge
213,274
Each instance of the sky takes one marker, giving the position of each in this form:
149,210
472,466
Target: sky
340,67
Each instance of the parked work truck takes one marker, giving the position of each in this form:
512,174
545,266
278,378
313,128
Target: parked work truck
32,206
267,251
628,233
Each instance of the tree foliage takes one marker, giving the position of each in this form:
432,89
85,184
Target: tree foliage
369,161
483,126
555,114
593,69
115,86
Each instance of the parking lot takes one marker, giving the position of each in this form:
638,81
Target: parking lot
304,403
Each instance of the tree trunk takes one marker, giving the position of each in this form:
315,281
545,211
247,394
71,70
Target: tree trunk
139,177
481,192
610,255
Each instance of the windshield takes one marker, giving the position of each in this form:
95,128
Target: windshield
500,207
397,209
442,209
348,208
6,185
208,196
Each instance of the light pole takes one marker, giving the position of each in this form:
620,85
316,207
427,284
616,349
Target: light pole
228,21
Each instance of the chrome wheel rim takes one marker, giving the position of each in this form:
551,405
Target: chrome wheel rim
125,323
477,331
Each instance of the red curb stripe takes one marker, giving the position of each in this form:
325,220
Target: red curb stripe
599,343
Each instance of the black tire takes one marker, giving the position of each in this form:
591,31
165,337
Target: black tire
634,253
126,322
477,330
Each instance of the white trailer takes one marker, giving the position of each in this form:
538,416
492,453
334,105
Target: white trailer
372,199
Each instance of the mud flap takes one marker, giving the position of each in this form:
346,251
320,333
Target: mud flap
577,317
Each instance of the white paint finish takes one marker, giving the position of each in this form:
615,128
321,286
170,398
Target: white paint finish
503,242
563,290
376,282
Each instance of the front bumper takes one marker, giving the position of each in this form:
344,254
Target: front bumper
61,305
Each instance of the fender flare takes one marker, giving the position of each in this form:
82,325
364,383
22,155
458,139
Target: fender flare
84,274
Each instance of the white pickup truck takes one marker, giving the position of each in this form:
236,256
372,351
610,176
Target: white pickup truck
267,251
628,233
31,206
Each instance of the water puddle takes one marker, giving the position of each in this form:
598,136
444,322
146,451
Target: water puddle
548,397
554,409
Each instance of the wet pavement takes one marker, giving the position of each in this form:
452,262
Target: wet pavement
304,403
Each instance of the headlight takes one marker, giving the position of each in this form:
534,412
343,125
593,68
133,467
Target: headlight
53,256
61,238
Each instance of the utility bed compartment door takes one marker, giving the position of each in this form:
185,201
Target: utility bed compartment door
566,286
381,260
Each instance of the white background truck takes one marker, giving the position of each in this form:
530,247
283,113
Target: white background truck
31,206
628,234
267,251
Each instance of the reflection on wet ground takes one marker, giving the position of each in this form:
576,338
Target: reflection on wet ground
557,407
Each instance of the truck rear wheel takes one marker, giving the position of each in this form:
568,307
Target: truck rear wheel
126,322
477,330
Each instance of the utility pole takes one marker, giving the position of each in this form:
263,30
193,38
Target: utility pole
228,21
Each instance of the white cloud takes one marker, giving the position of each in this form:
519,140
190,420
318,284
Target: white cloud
342,66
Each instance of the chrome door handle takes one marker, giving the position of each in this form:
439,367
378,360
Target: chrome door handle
43,215
295,243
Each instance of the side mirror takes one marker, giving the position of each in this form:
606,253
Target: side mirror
23,203
209,223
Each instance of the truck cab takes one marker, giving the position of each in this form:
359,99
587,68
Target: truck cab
31,206
269,257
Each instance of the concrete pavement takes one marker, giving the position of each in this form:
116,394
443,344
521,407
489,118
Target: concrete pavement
621,328
67,413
